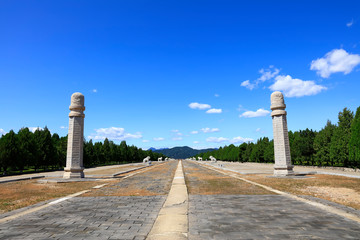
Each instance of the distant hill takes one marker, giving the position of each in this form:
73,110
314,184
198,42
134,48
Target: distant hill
154,149
181,152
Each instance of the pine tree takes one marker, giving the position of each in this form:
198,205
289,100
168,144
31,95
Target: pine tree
339,147
9,151
27,148
354,143
322,143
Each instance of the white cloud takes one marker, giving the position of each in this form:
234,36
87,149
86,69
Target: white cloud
177,138
258,130
145,141
33,129
159,139
2,132
349,24
217,95
214,110
196,142
113,133
94,90
337,60
217,139
177,132
210,130
63,127
201,106
293,87
233,140
248,85
267,74
194,132
241,140
251,114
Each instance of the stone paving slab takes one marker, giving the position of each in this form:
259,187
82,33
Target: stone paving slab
263,217
268,168
129,217
57,174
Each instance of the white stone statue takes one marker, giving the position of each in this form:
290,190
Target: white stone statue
160,159
212,159
147,159
200,158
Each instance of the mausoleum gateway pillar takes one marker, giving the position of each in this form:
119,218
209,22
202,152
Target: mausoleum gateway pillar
283,166
74,158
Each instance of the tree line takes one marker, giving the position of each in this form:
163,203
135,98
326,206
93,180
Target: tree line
28,151
335,145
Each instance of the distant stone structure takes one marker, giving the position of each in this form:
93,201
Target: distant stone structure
74,158
147,159
212,159
283,166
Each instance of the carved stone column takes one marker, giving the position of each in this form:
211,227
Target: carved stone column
74,159
283,166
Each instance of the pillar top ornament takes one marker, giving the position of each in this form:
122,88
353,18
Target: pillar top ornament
277,104
77,105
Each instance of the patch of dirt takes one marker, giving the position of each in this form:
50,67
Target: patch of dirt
149,182
20,194
338,189
344,196
200,180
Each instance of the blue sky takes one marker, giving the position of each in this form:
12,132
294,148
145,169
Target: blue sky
175,73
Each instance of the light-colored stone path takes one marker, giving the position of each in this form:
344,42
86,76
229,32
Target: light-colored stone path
172,221
268,168
90,172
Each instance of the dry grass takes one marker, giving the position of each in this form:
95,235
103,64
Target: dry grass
342,190
200,180
20,194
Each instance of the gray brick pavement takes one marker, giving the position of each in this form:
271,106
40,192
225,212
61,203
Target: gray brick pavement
263,217
129,217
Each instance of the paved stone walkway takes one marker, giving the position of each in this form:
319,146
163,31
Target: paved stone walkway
112,216
268,168
128,217
89,172
263,217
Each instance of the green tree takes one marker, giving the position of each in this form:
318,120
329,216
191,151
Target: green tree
354,143
322,143
9,150
124,151
269,152
242,149
27,148
339,147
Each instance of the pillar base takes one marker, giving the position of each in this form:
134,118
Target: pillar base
284,171
74,173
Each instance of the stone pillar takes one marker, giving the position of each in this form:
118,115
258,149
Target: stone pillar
74,159
283,166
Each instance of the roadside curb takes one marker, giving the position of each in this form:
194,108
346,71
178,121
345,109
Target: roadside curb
21,179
